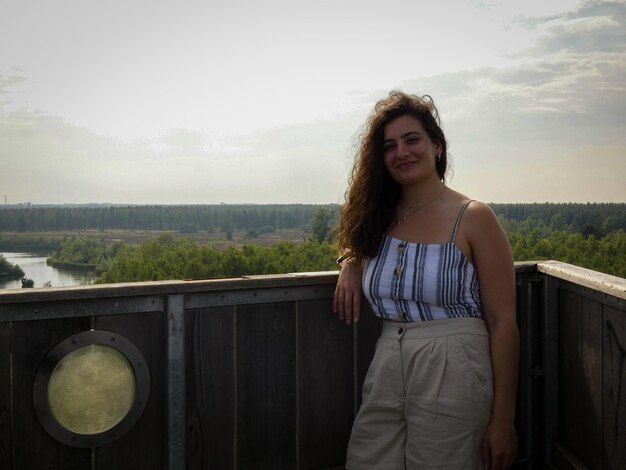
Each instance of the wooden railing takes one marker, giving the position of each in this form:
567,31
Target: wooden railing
258,373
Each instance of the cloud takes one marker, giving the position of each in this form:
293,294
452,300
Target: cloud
593,27
516,132
46,159
571,81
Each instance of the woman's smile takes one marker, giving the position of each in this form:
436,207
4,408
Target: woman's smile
406,165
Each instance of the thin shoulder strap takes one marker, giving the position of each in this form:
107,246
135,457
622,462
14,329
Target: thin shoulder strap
458,221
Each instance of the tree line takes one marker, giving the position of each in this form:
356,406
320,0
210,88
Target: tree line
185,219
543,234
597,219
168,257
589,219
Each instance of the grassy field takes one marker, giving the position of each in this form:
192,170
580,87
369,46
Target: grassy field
136,237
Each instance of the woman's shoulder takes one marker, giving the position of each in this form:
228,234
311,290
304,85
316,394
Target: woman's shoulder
479,221
479,209
477,215
459,201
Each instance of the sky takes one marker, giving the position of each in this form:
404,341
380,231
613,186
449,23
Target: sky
245,101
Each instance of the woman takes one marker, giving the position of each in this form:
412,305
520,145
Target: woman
437,267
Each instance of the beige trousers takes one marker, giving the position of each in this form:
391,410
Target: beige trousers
427,398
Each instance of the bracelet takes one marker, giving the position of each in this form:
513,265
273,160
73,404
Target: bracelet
343,257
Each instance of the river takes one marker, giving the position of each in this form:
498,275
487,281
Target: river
35,268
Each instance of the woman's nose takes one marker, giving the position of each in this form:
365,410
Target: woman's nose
402,150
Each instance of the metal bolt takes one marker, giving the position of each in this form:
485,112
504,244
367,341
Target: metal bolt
36,309
116,305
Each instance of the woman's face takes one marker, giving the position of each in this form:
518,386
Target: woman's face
409,153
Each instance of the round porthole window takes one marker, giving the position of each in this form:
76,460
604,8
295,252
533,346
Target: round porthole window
91,388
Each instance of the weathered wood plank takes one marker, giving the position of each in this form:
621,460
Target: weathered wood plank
614,388
368,330
266,386
33,446
209,337
570,368
6,431
101,291
591,384
523,414
325,385
605,283
80,308
142,446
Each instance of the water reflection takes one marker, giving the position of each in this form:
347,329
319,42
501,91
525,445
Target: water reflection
35,267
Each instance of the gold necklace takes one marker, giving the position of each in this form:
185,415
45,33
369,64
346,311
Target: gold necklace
421,206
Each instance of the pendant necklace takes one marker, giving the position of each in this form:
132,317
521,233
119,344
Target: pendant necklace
421,206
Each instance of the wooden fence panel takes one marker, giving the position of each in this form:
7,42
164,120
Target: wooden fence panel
210,399
263,380
368,330
569,368
524,419
266,386
34,448
325,385
591,383
143,446
614,389
6,442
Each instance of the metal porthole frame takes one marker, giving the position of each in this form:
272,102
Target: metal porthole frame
69,345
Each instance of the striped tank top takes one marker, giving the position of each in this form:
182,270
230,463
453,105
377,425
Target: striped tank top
411,282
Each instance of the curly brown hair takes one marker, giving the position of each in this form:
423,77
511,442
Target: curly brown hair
372,193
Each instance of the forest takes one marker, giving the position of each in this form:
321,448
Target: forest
587,235
31,218
170,258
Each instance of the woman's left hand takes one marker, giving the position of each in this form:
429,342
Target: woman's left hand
499,447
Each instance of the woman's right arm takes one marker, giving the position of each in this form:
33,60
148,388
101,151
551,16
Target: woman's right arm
347,300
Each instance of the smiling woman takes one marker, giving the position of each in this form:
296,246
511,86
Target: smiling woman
437,268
